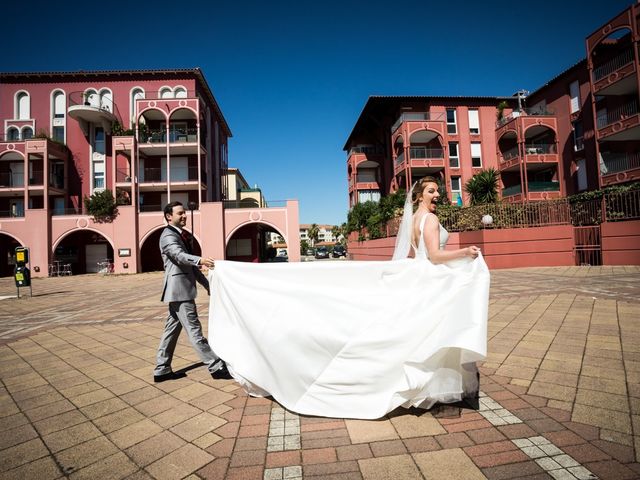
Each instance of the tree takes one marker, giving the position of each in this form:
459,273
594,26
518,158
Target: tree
483,187
101,206
313,233
304,245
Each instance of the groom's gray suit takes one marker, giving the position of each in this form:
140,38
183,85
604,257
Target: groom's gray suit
179,290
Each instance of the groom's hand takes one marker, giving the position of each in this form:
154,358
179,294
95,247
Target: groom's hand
207,262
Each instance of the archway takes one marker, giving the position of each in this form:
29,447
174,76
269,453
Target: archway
8,246
150,257
85,250
250,243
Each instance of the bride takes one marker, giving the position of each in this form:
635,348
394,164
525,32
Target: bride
358,339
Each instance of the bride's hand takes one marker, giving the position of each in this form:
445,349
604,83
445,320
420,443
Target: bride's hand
472,251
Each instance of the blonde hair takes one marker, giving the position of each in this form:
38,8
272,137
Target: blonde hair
420,186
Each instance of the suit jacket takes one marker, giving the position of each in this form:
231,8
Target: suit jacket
180,268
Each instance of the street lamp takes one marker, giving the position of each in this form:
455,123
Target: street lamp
487,220
192,206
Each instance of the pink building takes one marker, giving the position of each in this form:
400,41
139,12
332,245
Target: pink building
398,140
149,136
580,131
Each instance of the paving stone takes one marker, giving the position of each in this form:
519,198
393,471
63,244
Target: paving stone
71,436
153,448
113,467
450,464
179,463
391,468
365,431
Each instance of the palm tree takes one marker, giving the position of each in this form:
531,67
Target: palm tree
483,187
313,233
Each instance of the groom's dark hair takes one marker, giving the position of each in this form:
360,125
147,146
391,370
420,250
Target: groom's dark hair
168,209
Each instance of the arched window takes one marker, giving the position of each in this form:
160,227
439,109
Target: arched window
106,100
180,92
13,134
92,98
27,133
137,93
165,92
23,106
58,104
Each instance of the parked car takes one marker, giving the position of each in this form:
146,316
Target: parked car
339,251
310,252
322,252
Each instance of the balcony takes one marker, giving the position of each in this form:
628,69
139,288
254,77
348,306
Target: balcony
527,112
620,123
418,117
183,141
153,178
619,167
536,191
614,77
93,108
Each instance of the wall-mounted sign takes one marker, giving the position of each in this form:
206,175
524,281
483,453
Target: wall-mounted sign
124,252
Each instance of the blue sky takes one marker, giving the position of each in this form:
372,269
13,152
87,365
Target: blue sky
291,77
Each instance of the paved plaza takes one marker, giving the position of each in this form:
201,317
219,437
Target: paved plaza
560,393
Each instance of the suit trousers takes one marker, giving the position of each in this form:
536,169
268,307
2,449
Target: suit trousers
184,315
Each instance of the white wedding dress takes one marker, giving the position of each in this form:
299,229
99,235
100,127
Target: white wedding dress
352,339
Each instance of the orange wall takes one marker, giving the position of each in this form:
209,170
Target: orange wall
507,248
621,243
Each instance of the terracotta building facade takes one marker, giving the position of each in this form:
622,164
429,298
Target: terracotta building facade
150,137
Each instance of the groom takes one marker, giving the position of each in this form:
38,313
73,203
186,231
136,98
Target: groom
179,290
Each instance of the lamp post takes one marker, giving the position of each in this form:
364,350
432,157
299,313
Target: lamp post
487,220
192,206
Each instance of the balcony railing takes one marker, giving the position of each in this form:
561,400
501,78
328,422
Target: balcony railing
151,95
619,162
532,187
150,208
424,152
612,65
36,177
123,176
11,213
418,117
538,111
366,149
95,100
540,149
509,154
59,212
621,112
176,135
151,174
247,203
8,179
400,159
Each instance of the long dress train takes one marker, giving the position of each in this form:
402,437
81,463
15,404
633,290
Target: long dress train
352,339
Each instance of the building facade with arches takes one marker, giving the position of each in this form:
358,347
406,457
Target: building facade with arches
579,131
150,137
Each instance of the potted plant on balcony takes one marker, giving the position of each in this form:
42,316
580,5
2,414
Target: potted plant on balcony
87,97
483,187
501,106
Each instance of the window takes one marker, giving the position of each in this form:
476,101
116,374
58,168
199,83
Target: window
98,144
136,94
23,106
476,155
454,159
451,121
13,134
165,92
58,134
98,175
578,136
574,92
27,133
456,191
474,122
581,174
58,105
368,195
180,92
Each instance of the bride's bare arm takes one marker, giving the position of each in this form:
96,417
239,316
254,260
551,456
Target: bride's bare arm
432,242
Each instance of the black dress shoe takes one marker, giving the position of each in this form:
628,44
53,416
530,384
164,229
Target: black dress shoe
168,376
221,373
